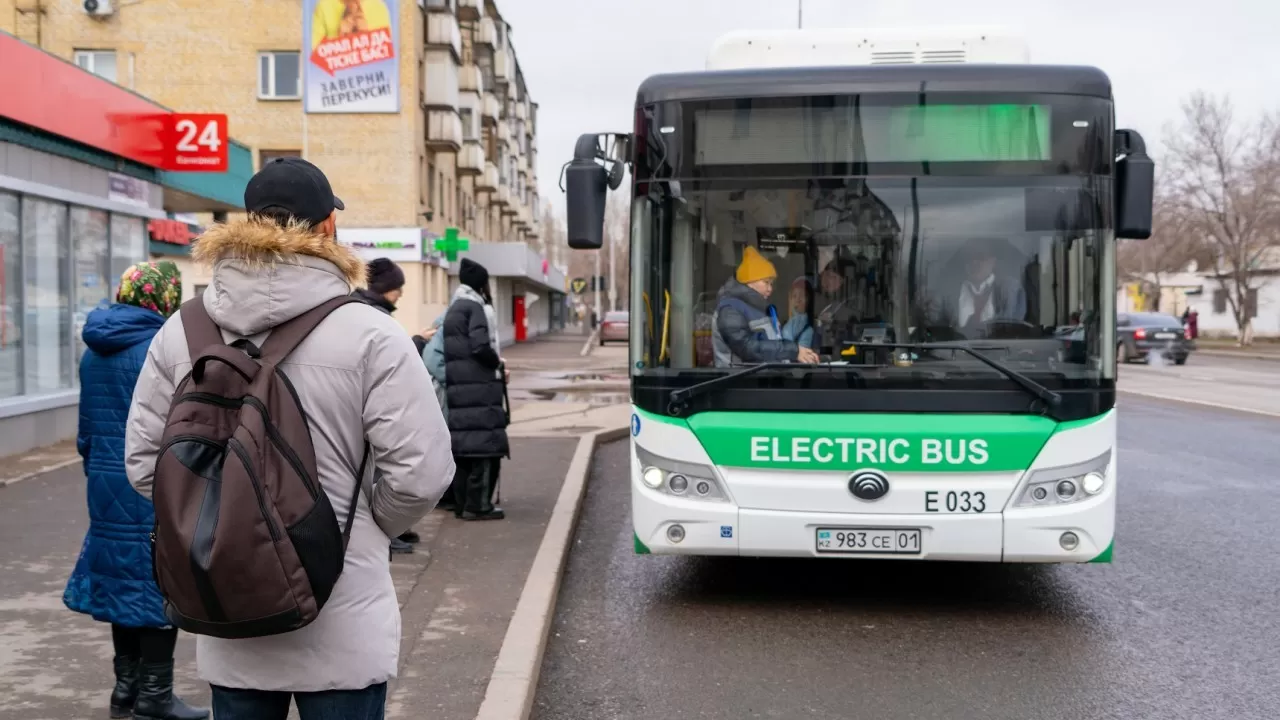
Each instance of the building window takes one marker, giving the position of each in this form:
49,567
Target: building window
278,75
1251,303
266,156
440,189
1219,302
46,265
10,298
431,185
468,123
92,272
99,62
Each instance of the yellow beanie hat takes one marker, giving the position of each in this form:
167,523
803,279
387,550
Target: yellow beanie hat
754,267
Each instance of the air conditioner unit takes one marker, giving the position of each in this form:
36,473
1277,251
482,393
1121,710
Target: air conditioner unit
99,8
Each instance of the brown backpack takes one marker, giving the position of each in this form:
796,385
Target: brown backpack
246,543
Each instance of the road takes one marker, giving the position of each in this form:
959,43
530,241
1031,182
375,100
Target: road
1182,625
1212,380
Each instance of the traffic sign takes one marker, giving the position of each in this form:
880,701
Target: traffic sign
579,286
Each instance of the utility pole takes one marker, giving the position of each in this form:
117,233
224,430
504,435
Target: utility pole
800,14
596,282
613,278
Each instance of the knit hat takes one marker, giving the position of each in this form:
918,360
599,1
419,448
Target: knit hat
754,267
473,275
384,276
152,285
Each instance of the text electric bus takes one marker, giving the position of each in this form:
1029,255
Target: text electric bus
947,232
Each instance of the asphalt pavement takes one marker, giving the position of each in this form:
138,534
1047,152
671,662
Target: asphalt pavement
1183,624
1239,382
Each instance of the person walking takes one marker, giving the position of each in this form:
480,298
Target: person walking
475,390
112,580
491,317
384,282
361,384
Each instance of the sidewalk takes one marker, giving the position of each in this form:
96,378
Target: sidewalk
1228,348
457,592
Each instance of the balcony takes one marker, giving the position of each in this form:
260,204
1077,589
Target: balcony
489,109
470,79
443,33
503,66
487,33
504,132
522,110
488,180
471,159
470,10
444,130
440,80
501,198
522,164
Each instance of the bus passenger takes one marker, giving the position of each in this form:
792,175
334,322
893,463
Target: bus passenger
747,328
799,326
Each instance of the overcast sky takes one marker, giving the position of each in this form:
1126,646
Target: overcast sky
583,59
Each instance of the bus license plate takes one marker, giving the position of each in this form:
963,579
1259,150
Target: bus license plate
883,541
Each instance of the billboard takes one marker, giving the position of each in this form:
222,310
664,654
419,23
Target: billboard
351,50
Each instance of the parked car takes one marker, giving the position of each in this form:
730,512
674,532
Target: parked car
1141,334
616,327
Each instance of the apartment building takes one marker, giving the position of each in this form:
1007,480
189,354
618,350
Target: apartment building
421,118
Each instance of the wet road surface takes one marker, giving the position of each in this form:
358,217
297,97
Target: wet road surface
1184,624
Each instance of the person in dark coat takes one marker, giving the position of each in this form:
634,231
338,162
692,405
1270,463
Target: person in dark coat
474,388
385,282
113,580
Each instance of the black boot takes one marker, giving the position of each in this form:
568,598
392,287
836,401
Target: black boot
126,689
156,700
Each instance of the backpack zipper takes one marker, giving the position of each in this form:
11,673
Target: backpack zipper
243,454
273,433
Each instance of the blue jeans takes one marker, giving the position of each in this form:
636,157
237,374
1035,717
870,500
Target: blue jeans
236,704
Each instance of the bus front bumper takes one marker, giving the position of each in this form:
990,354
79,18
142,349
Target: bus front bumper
674,526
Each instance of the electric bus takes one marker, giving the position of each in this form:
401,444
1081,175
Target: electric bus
941,217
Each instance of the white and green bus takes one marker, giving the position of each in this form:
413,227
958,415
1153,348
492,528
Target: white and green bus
947,233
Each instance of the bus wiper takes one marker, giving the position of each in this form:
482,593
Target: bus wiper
679,399
1049,397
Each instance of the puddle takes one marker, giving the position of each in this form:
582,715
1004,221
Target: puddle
584,395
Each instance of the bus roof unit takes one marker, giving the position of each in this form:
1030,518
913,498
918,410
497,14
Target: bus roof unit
850,46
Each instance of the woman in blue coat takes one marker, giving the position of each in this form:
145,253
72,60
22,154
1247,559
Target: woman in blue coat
113,579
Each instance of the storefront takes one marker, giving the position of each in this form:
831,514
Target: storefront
73,216
526,289
426,279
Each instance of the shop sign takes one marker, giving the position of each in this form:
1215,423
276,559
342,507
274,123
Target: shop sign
129,190
394,244
174,232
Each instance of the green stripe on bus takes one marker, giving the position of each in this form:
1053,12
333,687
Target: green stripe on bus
641,549
1105,555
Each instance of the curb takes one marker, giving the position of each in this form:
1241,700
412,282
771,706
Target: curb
41,471
514,680
1204,403
1245,355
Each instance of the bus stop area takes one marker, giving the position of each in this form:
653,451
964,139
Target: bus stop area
457,592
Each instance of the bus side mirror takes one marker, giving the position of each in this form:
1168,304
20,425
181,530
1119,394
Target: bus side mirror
586,185
1135,186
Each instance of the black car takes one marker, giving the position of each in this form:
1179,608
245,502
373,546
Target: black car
1140,334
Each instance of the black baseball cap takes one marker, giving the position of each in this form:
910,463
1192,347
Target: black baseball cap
292,185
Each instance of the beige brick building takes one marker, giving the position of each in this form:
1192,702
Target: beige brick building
460,152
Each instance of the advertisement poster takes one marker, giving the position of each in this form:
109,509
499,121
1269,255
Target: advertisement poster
351,56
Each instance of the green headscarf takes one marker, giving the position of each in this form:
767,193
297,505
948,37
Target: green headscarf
152,285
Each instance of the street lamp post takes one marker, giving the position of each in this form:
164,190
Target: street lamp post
800,14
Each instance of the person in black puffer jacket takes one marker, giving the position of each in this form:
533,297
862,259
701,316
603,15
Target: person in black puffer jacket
474,390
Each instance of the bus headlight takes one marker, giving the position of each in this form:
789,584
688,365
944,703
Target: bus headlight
680,479
1064,485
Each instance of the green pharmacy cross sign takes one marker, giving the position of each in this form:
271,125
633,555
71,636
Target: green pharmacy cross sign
451,244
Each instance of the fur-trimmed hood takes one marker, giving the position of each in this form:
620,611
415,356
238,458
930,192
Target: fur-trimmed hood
265,275
259,241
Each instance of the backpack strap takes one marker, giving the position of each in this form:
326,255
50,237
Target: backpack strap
355,498
202,333
284,338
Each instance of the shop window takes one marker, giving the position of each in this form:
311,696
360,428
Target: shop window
266,156
99,62
91,272
10,298
46,261
278,73
128,246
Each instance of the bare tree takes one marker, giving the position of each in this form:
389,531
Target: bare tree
1226,180
617,232
1173,246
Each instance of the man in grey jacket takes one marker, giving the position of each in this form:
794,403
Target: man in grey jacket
359,378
